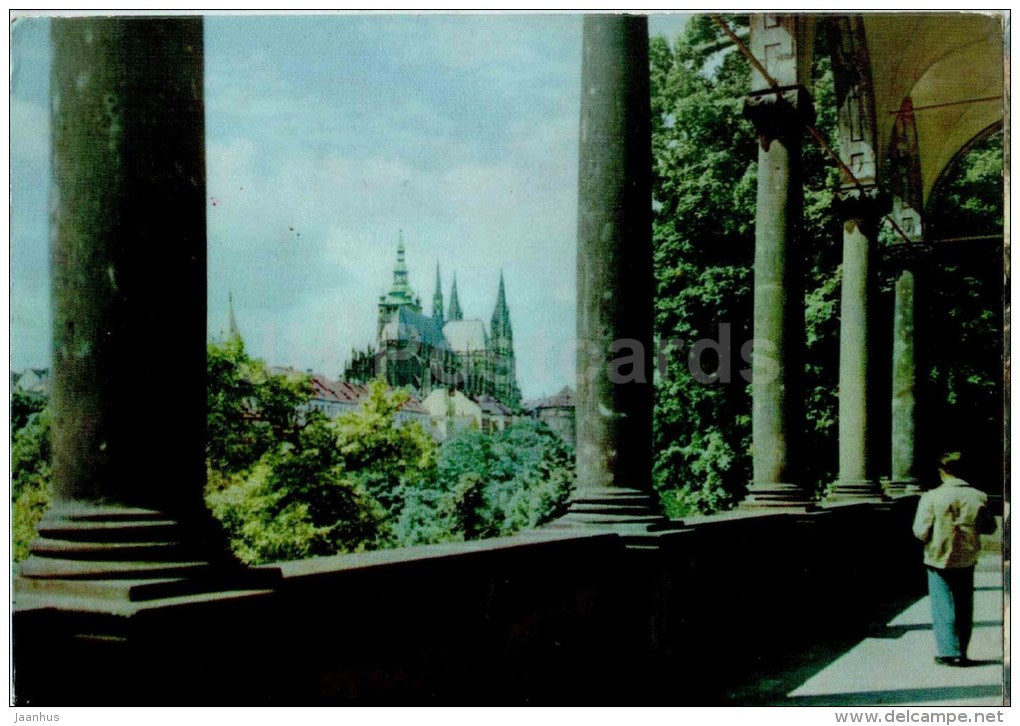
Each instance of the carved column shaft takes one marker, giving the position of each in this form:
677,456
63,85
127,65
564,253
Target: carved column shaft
615,280
905,473
776,413
908,400
128,245
861,209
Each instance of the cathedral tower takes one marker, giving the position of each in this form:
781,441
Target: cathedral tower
502,351
400,294
455,312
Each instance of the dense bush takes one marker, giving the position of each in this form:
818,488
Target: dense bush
30,470
285,482
490,485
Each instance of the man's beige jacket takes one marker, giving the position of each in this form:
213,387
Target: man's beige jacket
949,520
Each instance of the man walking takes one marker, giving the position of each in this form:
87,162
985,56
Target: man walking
949,520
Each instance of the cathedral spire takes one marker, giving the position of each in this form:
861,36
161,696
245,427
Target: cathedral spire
437,298
400,294
502,351
232,330
400,270
500,323
455,312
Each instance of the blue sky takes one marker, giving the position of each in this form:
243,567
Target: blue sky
325,136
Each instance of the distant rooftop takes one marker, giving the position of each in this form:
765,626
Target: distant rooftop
566,398
326,389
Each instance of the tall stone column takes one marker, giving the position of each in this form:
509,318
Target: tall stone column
779,115
861,210
905,469
614,279
911,464
128,243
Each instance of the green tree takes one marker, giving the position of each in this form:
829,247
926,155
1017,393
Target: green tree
327,487
703,190
385,458
23,405
30,479
533,474
965,310
490,485
250,410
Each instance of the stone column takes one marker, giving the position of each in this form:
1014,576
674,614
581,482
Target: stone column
861,210
779,115
128,242
904,474
908,400
614,278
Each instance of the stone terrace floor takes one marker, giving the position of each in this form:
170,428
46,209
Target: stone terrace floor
893,664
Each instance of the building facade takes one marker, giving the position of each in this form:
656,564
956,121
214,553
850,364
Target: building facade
557,412
442,350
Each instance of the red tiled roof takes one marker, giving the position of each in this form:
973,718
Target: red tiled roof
324,389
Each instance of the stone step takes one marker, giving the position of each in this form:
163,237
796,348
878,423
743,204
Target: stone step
618,501
141,590
108,551
580,508
151,530
67,569
133,590
110,514
601,517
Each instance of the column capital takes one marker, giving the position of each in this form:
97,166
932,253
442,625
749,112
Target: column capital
866,202
779,113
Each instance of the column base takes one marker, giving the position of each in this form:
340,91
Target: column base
856,490
92,557
632,513
776,495
908,485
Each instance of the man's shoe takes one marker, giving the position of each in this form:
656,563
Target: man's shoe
950,660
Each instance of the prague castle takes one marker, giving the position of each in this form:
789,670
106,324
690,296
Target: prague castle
444,349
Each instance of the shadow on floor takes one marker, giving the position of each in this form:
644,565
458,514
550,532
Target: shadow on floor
897,631
774,675
885,698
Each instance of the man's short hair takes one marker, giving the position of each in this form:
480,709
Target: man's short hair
952,463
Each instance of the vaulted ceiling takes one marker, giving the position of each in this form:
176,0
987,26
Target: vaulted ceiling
951,66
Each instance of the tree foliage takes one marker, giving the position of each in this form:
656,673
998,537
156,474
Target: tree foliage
703,191
965,323
250,410
30,472
490,485
285,482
